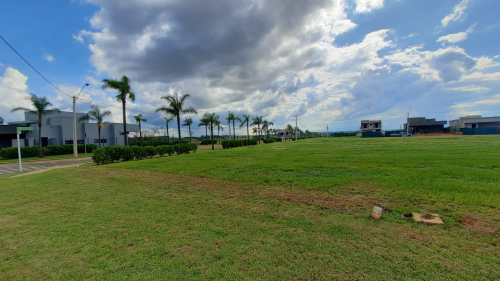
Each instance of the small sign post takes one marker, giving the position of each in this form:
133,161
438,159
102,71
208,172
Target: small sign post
19,130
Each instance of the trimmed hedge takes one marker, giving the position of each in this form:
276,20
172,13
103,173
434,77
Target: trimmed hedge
269,140
156,143
208,142
32,151
237,143
110,154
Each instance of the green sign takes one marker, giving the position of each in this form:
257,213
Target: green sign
25,128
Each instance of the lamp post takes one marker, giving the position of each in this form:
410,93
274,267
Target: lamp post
75,148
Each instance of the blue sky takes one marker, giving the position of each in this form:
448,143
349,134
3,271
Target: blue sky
330,62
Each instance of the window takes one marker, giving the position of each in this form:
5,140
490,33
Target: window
375,125
365,126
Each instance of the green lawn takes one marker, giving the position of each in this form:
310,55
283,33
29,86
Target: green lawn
294,210
45,158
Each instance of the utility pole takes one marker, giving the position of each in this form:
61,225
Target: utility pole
75,148
408,122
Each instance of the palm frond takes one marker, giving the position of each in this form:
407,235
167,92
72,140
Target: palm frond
189,110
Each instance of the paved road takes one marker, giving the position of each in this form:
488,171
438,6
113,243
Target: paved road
28,167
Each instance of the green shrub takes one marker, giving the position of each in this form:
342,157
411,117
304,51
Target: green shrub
126,153
150,151
11,152
269,140
101,156
139,152
226,144
203,142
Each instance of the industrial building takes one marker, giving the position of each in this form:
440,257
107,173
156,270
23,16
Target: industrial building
476,121
371,125
57,129
424,126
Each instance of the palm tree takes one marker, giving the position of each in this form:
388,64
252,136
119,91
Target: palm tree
219,127
289,129
138,118
265,126
204,122
245,120
212,120
168,119
230,118
257,121
95,114
188,122
175,108
307,133
125,91
40,105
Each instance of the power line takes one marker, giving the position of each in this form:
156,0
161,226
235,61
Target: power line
33,67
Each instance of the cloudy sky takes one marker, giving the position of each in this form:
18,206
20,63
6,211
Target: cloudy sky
330,62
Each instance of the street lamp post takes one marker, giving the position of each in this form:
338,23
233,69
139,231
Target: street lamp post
75,148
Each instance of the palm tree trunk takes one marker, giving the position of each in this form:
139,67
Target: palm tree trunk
40,136
179,131
258,128
168,136
189,126
206,132
248,134
99,133
124,122
234,131
212,134
218,133
140,130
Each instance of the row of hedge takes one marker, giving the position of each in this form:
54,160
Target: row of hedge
208,142
110,154
237,143
32,151
270,140
156,143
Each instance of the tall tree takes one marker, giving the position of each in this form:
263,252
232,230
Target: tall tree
265,126
125,91
138,119
40,108
204,122
257,121
233,118
188,122
168,119
95,114
245,120
175,108
212,120
219,127
289,129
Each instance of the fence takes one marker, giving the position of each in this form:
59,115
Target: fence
479,131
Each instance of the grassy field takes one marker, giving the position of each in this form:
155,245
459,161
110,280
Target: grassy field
45,158
294,210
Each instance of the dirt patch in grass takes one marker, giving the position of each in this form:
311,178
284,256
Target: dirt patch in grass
476,224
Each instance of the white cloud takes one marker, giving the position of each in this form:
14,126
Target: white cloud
453,38
366,6
492,101
13,93
49,57
457,14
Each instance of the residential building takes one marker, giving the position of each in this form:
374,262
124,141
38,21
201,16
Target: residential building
476,121
424,125
371,125
57,129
